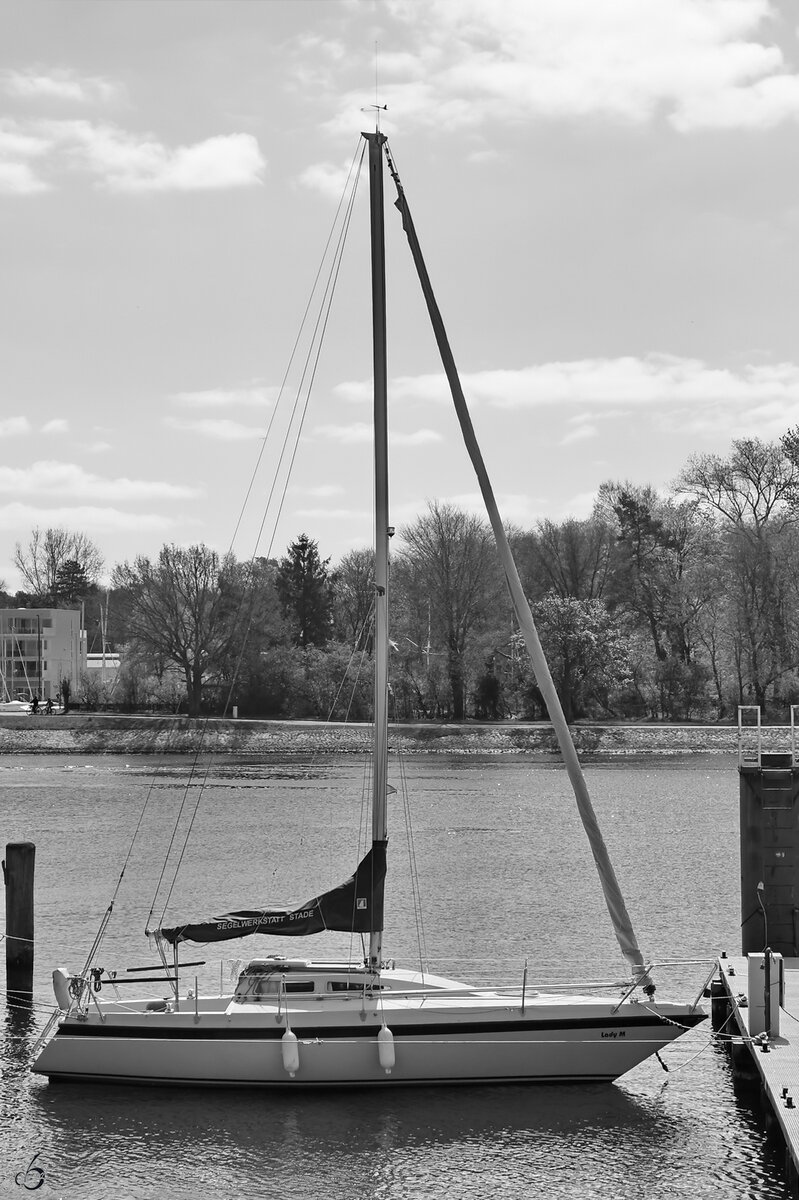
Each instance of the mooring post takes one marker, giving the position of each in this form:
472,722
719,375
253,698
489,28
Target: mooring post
18,871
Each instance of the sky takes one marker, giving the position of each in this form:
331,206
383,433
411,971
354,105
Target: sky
605,192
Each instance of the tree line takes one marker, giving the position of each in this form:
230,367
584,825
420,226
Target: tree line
658,606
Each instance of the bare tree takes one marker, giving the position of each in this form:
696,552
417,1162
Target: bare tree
450,576
573,558
180,611
751,495
52,556
353,583
750,488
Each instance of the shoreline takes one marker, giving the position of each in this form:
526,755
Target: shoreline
103,733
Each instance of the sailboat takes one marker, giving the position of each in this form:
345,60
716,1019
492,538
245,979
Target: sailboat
294,1022
9,706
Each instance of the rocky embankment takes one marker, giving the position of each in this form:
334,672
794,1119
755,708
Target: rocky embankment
106,734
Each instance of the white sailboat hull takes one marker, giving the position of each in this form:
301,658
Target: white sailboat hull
451,1039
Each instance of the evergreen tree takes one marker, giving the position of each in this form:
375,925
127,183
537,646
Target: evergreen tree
71,583
305,593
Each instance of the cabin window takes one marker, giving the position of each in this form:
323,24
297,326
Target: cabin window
273,987
341,985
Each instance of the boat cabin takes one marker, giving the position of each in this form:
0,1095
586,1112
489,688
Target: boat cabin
265,978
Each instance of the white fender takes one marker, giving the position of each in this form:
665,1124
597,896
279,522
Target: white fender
385,1048
290,1049
61,980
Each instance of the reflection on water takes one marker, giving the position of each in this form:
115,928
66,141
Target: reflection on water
513,1142
510,876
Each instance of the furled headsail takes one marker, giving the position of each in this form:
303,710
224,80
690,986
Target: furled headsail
355,906
617,909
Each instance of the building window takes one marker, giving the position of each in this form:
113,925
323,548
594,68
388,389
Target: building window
23,625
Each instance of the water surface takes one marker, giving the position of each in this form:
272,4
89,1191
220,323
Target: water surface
505,875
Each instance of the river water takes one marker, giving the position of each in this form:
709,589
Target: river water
504,874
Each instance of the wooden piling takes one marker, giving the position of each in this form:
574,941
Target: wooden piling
744,1071
720,1007
18,873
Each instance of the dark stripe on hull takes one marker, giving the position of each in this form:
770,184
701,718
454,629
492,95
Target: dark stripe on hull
337,1085
258,1033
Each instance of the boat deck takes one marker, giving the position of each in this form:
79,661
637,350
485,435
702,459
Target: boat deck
778,1067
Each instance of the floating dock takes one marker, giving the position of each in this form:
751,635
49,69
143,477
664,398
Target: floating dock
755,998
764,1045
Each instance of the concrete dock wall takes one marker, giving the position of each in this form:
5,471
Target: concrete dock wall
105,734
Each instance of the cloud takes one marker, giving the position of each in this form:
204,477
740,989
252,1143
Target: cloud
222,430
769,420
581,431
57,425
18,516
420,437
515,508
579,506
702,64
14,140
18,149
401,387
18,179
254,397
45,479
759,105
601,382
359,433
126,162
321,493
683,395
66,85
338,514
355,434
14,426
121,161
326,178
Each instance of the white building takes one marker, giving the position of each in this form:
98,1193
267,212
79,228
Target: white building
102,672
39,649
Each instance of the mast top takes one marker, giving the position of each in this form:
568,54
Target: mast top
376,109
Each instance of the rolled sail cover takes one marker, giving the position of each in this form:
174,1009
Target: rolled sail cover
355,906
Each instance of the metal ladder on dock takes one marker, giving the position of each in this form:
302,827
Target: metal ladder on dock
750,739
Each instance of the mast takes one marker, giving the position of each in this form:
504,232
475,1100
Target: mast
376,141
